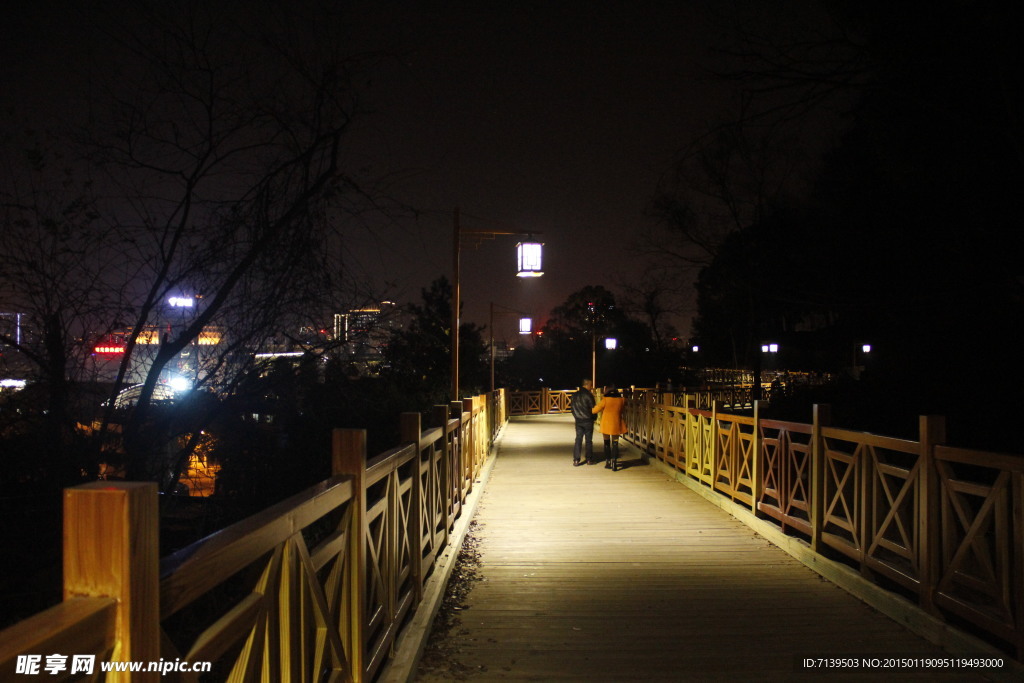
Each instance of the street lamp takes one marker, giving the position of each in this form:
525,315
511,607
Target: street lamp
529,256
610,343
857,369
755,390
525,327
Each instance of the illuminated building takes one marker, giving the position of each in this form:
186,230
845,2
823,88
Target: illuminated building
363,333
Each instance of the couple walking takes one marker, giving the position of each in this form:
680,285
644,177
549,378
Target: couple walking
584,411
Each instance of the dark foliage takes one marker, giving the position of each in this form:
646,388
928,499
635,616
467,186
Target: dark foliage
904,241
418,357
573,339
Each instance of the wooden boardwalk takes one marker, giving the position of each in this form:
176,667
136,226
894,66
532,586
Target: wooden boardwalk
586,574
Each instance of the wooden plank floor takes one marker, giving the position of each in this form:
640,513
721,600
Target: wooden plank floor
588,574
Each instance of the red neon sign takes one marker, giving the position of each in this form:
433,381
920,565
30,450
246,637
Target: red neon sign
108,349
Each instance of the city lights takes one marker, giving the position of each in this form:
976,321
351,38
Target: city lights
179,383
108,349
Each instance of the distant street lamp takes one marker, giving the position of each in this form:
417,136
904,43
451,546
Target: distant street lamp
525,327
767,347
610,343
858,368
529,257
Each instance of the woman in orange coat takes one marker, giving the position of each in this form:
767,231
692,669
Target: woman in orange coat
612,425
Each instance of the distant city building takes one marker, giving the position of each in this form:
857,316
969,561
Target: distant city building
359,323
364,333
109,348
13,365
11,326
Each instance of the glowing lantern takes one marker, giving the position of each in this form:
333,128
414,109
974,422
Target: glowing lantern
528,255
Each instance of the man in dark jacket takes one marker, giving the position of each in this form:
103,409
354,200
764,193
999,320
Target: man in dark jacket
582,406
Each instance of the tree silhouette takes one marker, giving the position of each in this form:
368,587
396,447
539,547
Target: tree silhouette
418,357
218,172
901,237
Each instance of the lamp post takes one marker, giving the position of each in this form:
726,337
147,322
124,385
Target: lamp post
865,350
610,344
766,348
593,359
528,253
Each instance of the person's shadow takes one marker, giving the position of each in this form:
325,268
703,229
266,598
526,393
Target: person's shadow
634,460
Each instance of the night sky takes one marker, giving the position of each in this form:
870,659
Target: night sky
558,117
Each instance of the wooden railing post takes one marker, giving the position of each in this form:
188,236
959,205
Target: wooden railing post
410,430
651,427
1017,538
495,409
822,417
112,549
457,456
714,443
500,410
456,487
688,448
468,406
932,432
756,460
348,457
489,408
441,416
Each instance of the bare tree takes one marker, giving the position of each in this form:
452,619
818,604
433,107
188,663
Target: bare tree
216,146
54,287
228,150
792,72
654,300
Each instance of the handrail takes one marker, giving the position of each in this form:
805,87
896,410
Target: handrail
556,401
76,625
380,466
945,524
185,575
318,585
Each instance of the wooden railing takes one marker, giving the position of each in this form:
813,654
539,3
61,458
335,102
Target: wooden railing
539,402
314,588
552,401
944,525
